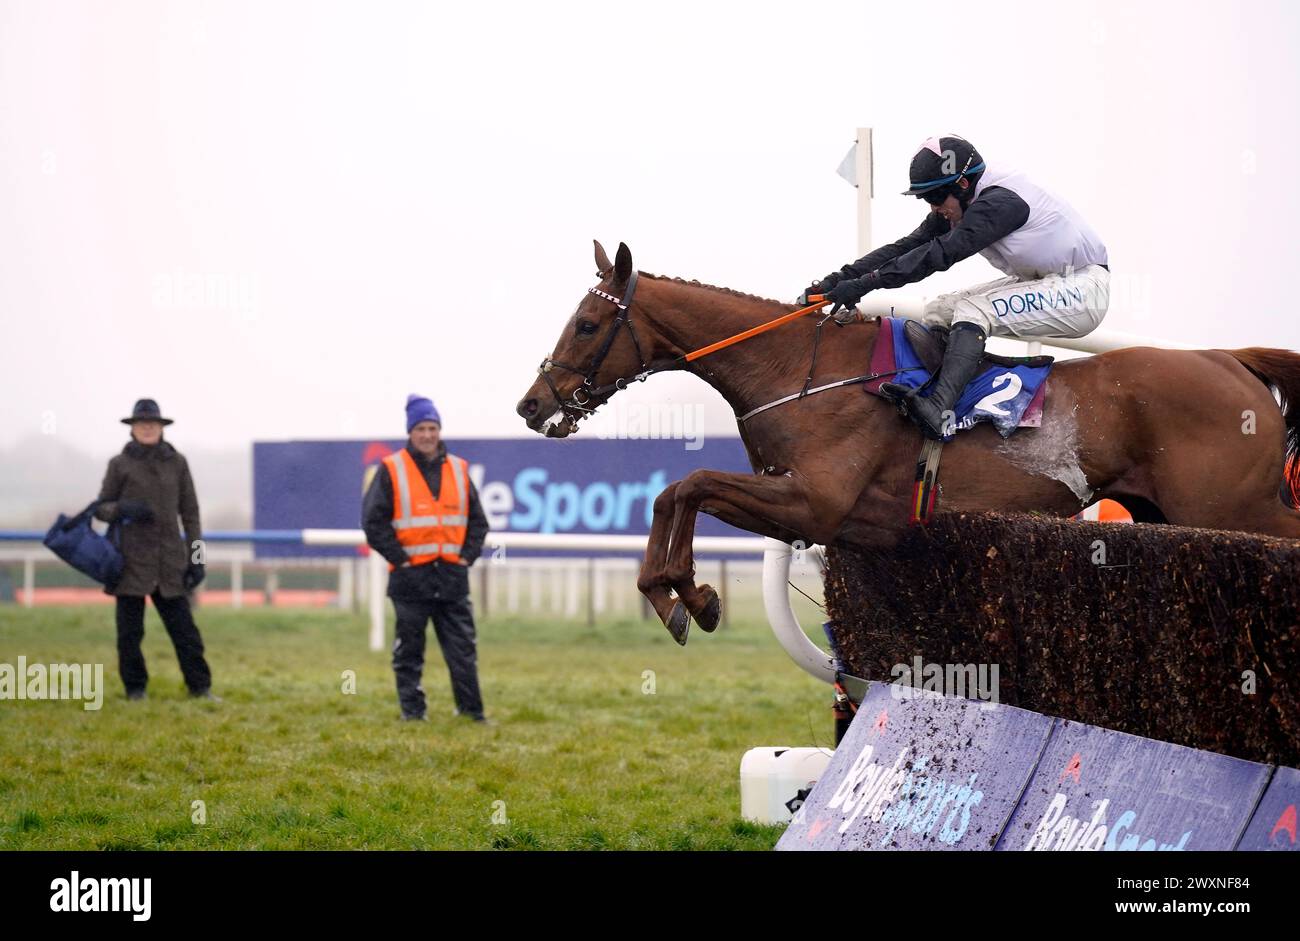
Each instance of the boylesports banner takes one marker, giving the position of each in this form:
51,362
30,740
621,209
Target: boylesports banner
531,485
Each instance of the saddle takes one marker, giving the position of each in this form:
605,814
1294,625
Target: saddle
1015,400
929,345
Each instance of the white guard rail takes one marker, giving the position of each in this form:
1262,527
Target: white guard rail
776,575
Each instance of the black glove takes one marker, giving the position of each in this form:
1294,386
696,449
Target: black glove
136,510
828,282
820,287
848,293
195,574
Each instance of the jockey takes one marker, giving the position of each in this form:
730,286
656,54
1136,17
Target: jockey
1057,284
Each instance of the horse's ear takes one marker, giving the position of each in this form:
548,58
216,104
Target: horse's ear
603,264
623,263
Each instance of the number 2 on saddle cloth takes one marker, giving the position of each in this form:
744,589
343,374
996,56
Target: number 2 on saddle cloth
1007,391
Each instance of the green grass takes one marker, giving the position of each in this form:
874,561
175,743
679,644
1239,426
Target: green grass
579,757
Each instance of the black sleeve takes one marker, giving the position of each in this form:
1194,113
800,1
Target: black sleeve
933,227
476,529
377,519
996,214
109,493
189,507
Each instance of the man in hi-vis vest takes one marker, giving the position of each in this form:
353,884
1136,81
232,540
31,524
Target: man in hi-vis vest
423,515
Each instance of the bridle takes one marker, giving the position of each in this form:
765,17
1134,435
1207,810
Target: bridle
586,397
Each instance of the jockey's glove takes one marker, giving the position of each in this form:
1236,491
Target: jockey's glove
819,287
847,293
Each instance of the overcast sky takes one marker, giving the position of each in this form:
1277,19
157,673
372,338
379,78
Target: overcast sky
279,218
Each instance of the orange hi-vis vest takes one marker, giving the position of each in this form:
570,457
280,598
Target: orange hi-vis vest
429,529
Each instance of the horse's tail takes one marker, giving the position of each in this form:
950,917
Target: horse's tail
1280,369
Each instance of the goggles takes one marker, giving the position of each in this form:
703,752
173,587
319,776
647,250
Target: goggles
938,195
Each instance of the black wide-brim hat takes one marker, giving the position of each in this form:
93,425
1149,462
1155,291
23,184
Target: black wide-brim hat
146,410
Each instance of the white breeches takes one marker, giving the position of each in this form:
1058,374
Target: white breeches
1070,305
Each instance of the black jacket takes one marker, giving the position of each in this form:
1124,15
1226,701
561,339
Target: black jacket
155,553
437,580
937,245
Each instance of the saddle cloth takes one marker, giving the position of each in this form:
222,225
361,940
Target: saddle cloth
1007,391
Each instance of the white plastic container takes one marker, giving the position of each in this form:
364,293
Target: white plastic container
771,778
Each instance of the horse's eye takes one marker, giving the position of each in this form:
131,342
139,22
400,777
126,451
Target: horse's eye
586,328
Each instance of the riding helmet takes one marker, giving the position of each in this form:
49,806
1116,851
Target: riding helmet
942,161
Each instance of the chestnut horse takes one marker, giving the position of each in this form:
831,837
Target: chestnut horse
1193,438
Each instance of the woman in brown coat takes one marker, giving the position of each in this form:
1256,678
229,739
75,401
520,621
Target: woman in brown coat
149,485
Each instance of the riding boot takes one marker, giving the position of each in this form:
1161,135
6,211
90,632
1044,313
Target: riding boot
960,363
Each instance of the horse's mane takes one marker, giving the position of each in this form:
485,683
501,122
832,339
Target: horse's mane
713,287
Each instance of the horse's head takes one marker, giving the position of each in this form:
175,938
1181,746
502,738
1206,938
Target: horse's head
598,353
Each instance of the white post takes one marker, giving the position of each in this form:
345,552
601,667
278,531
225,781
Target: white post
616,576
534,587
554,594
863,170
512,587
29,582
345,584
598,573
237,583
378,579
723,597
573,586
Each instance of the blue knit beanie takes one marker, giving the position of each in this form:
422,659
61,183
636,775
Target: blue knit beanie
419,409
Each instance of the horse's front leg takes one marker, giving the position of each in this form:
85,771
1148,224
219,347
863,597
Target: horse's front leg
771,506
652,581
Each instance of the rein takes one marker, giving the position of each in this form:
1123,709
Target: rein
755,331
584,399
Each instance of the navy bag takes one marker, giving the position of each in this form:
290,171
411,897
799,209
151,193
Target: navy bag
74,541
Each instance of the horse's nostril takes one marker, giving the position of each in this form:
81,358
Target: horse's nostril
527,408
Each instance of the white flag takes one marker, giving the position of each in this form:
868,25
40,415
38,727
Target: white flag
849,165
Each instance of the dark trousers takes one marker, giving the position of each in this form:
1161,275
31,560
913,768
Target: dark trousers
453,623
176,617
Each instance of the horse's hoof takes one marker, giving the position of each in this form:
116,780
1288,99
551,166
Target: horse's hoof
709,617
679,623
